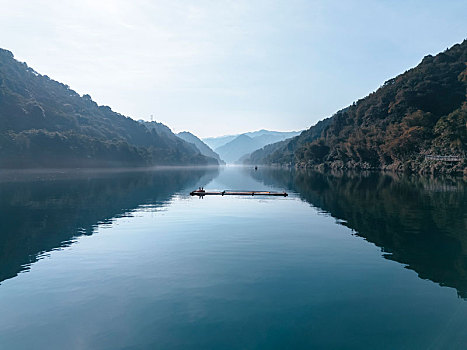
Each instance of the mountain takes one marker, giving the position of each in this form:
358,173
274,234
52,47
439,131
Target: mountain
190,140
159,128
200,145
412,123
233,150
216,142
282,152
44,123
273,135
263,155
266,135
164,131
244,144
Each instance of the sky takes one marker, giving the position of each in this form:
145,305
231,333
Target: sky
227,67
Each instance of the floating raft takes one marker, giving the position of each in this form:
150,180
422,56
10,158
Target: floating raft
202,193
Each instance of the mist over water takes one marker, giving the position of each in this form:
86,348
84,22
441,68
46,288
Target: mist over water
125,260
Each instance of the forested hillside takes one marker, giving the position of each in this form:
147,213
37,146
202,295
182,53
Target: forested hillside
44,123
405,125
200,145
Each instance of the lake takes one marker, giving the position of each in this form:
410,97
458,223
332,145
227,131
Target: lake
128,260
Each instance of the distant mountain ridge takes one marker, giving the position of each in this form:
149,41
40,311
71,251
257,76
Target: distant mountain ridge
283,152
200,145
216,142
43,123
235,147
406,125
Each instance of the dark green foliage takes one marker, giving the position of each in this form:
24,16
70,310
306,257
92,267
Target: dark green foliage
421,112
44,123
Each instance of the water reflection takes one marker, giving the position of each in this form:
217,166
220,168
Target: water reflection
40,212
417,221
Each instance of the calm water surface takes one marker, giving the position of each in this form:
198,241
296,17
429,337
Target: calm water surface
131,261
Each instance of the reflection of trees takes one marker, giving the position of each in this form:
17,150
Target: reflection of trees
39,216
420,222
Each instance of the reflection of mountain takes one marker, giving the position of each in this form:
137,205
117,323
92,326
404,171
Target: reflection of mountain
419,222
39,216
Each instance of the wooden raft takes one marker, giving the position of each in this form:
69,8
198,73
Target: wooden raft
202,193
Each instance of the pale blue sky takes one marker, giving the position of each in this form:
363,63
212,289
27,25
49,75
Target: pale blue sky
222,67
